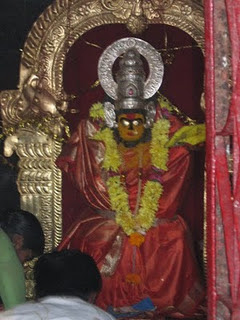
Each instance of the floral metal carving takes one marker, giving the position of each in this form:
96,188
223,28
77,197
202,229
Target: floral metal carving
39,181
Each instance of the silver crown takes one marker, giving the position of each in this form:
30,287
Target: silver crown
130,79
131,88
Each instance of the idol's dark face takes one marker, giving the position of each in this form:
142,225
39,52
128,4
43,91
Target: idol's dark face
131,126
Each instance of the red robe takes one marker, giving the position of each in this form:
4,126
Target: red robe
165,261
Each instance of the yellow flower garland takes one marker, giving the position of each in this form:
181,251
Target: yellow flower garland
119,203
158,149
111,159
145,218
96,111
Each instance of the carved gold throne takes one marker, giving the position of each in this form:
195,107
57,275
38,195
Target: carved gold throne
33,115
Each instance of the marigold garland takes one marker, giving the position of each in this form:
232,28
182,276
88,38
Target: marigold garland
158,150
97,111
119,203
111,159
149,205
192,135
136,239
133,278
145,217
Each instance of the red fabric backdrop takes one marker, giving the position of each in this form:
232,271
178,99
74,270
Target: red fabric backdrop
182,85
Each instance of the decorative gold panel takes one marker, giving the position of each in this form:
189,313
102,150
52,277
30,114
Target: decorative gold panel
31,118
39,181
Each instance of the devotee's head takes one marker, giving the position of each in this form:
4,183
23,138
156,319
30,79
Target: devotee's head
25,232
10,197
67,273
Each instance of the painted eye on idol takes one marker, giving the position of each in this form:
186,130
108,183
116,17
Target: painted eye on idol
137,122
125,122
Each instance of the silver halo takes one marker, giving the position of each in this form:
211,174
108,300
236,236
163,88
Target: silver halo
117,48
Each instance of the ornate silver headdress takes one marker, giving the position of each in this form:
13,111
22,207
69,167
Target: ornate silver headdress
130,79
131,88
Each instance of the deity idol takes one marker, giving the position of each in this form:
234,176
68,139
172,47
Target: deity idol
126,163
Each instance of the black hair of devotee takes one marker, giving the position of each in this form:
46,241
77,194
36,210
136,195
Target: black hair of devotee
67,273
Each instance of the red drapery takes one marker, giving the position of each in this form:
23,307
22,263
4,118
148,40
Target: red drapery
182,85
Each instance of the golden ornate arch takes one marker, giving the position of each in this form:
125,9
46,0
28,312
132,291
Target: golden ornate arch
33,131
